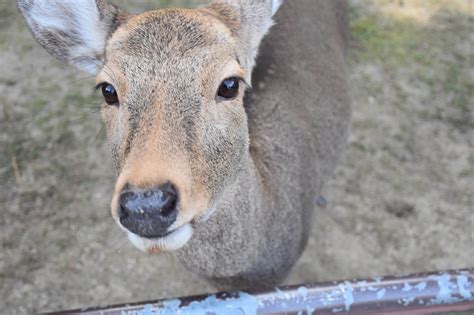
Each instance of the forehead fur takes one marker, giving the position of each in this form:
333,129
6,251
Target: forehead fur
168,32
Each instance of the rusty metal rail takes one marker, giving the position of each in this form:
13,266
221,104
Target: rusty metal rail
429,293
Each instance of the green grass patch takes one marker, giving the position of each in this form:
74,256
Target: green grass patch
388,41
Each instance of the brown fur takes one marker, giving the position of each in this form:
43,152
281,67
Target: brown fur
260,162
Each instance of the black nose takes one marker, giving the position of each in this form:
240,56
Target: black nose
148,213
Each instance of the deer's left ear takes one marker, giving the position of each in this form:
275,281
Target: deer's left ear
250,20
75,31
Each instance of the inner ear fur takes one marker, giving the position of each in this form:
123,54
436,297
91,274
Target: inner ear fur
249,21
73,31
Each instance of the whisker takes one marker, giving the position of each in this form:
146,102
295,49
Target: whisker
98,135
111,73
94,107
92,110
88,113
80,79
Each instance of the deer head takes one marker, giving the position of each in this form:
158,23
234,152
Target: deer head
173,82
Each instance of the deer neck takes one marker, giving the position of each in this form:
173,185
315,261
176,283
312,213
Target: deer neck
231,246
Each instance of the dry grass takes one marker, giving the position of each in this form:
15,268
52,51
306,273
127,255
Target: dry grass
422,11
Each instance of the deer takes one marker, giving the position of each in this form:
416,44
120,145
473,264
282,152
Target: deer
224,122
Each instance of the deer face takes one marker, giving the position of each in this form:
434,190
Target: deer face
173,83
178,127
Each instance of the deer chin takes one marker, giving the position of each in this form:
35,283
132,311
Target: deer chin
174,240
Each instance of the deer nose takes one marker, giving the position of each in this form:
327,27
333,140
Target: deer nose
148,213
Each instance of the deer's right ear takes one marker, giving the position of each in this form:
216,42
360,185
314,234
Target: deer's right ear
249,20
75,31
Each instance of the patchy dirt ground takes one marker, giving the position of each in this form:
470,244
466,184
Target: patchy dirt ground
401,200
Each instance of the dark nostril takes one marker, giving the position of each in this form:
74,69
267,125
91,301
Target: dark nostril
125,199
122,212
170,199
148,213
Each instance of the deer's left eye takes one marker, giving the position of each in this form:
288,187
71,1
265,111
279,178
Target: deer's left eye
229,88
109,93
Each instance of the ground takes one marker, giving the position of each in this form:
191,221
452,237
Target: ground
401,200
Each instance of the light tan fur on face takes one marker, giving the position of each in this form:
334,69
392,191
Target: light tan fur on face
152,159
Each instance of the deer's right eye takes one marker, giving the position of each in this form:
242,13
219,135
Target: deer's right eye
229,88
109,93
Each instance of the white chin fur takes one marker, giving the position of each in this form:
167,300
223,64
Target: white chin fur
173,241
